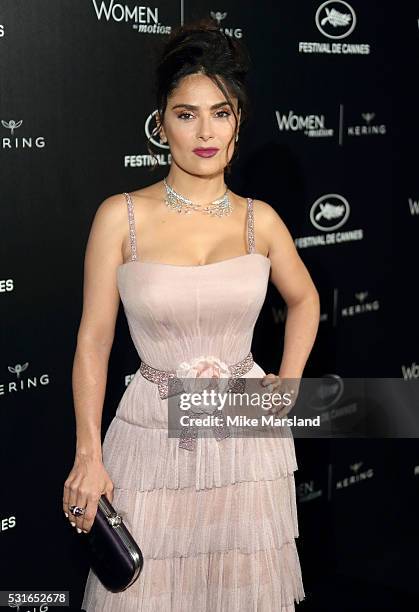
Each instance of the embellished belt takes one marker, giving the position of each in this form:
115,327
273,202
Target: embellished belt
204,367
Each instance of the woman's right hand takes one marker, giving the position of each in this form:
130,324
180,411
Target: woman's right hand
85,484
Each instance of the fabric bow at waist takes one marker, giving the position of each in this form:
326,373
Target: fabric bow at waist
184,379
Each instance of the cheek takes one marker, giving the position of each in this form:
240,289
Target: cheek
184,143
179,138
179,134
226,133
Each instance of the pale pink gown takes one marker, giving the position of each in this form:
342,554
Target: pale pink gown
216,525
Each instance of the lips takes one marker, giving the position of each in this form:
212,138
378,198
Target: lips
205,152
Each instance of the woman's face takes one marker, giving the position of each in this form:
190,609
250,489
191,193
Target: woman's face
197,117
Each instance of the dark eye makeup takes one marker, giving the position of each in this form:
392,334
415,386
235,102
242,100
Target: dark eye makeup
226,112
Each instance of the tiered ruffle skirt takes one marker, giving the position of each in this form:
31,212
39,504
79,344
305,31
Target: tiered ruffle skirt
216,525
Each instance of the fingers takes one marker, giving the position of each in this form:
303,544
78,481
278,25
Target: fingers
78,495
92,506
66,498
81,502
289,391
72,496
89,514
72,501
272,383
269,381
109,492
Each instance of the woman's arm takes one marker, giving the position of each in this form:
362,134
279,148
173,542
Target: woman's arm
292,280
97,325
88,479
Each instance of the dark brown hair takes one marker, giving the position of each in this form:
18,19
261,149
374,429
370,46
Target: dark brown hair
201,47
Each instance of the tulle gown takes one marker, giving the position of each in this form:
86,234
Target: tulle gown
216,525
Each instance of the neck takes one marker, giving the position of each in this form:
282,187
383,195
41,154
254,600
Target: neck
198,189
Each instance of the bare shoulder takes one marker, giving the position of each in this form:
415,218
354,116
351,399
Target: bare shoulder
112,209
270,226
265,212
108,228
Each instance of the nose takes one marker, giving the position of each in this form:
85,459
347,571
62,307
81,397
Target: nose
204,128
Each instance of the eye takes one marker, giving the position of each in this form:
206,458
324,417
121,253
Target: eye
185,115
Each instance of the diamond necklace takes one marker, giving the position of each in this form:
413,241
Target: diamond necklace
177,202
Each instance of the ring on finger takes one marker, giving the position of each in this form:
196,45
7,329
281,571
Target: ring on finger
77,511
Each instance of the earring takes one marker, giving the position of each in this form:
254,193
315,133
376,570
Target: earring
237,137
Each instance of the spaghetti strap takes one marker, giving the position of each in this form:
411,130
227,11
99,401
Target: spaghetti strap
250,226
131,224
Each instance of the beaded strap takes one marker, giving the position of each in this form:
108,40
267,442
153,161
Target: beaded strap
250,226
131,223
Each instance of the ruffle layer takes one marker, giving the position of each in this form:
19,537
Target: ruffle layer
247,516
216,525
156,461
268,580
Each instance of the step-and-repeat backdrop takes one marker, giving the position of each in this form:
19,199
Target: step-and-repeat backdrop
331,145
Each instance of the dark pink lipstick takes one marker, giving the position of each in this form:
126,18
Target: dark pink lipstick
203,152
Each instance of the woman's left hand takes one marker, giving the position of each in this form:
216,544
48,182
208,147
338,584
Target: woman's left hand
287,387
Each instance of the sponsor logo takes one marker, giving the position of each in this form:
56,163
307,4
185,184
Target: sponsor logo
335,20
19,142
361,305
357,475
12,125
233,32
368,128
22,382
328,213
144,19
315,125
312,126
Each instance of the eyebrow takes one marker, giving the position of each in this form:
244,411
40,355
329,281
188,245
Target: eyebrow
193,107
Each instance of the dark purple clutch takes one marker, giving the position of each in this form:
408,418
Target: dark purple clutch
114,555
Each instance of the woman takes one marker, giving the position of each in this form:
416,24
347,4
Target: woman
215,517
